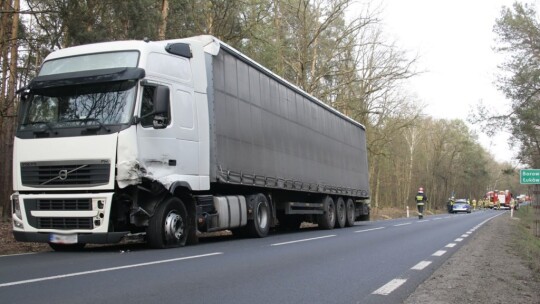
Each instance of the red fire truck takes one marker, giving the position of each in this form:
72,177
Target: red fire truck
499,199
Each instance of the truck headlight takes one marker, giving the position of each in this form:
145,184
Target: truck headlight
15,205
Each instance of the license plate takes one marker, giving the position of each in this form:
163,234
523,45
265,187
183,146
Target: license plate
63,238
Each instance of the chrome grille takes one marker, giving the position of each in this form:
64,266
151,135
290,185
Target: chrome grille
65,174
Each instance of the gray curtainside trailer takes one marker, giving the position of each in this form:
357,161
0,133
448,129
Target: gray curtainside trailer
170,139
269,133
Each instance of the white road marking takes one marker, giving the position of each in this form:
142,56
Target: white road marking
458,240
303,240
389,287
62,276
421,265
16,254
369,229
423,221
450,245
439,253
437,218
402,224
464,235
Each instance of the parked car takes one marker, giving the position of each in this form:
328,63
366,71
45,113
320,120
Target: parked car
461,205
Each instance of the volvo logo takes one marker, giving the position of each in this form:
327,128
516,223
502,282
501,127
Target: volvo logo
62,174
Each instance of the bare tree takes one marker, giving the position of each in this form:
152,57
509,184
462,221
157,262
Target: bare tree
8,108
163,22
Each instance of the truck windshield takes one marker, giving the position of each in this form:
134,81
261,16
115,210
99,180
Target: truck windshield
79,106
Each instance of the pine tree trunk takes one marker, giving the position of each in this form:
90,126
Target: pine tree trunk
164,15
9,119
4,46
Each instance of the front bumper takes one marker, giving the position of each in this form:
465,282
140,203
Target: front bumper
97,238
85,214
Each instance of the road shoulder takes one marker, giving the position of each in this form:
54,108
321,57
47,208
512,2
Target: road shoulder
487,269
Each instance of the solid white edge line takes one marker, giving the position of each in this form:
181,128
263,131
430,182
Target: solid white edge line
106,270
450,245
387,288
439,253
421,265
365,230
303,240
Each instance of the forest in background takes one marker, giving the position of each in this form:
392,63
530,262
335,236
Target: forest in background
339,56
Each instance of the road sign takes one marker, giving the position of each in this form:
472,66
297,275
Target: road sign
529,176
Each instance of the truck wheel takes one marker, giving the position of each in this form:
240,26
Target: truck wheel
260,224
169,225
341,213
327,220
67,247
349,206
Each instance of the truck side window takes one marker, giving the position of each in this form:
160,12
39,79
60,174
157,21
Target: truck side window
147,106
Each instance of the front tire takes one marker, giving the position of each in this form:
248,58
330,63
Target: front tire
169,226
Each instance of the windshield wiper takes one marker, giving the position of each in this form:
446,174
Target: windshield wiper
46,123
100,125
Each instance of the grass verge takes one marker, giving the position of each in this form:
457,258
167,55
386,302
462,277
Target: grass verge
528,243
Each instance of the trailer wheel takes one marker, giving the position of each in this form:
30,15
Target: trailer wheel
349,205
260,224
327,220
341,213
169,225
67,247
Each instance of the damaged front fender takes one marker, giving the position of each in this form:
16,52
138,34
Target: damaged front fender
129,173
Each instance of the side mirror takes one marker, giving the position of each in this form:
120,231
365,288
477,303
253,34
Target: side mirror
161,100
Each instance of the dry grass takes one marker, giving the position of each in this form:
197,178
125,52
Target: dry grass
527,239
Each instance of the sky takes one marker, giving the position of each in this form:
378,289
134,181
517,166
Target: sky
454,41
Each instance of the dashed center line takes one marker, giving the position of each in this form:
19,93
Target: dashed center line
303,240
369,229
387,288
106,269
402,224
16,254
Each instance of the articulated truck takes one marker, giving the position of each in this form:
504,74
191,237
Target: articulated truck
167,140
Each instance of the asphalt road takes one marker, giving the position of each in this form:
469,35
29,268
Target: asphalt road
372,262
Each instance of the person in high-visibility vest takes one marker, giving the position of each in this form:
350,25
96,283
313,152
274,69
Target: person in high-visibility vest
421,199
